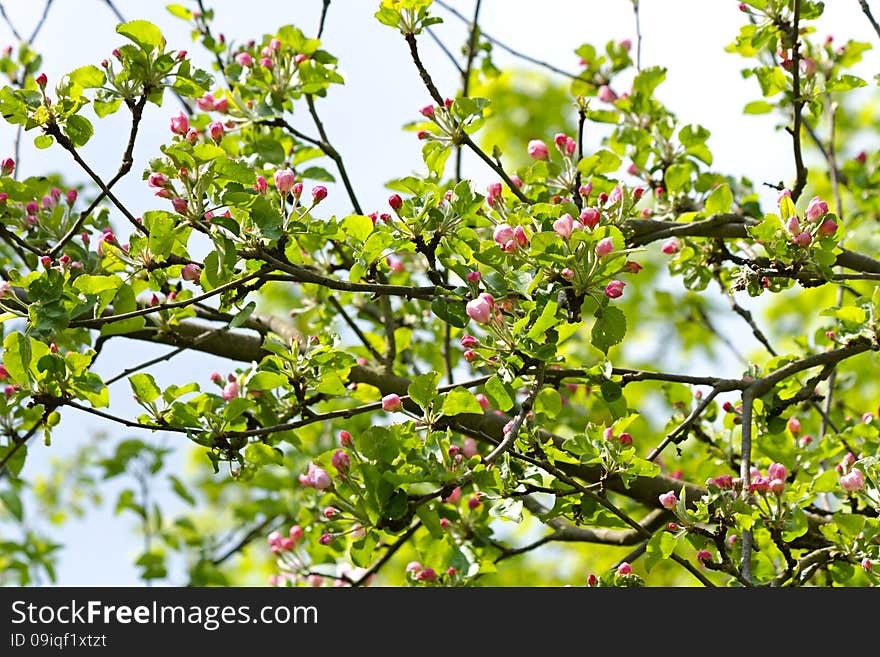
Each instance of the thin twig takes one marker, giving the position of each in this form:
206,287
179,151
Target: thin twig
392,549
354,327
797,105
867,10
505,47
526,406
324,8
745,467
254,532
9,23
168,356
446,51
115,11
638,35
466,74
40,22
334,155
464,137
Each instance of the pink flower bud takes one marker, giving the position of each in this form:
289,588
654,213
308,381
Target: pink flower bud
4,373
318,477
216,130
793,225
469,447
345,438
704,556
191,272
616,195
216,378
625,438
592,580
244,59
319,193
519,234
414,567
341,460
777,471
206,102
537,150
454,496
46,261
428,111
395,202
852,481
590,217
32,208
266,62
570,146
231,390
482,400
626,44
807,66
516,180
474,501
862,157
671,246
564,226
503,234
560,140
479,310
284,180
9,390
41,80
794,426
325,539
427,575
179,124
180,205
567,274
606,95
614,289
624,568
274,539
468,341
584,190
604,247
261,185
494,192
7,166
668,500
816,209
867,565
803,239
777,486
828,227
473,276
296,533
391,403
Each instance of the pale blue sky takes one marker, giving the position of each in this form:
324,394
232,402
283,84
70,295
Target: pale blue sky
364,118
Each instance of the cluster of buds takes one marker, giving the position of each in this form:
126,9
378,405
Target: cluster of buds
816,222
773,482
510,238
279,543
231,387
441,116
623,437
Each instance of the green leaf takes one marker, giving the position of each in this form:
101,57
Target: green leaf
508,508
451,313
143,33
16,460
124,302
229,169
720,200
17,357
431,520
263,454
88,77
43,141
602,161
660,547
758,107
609,328
499,393
12,502
678,177
79,129
181,490
207,152
423,388
548,402
361,552
180,11
162,234
795,525
266,381
242,315
460,400
357,226
845,83
88,284
144,387
546,321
